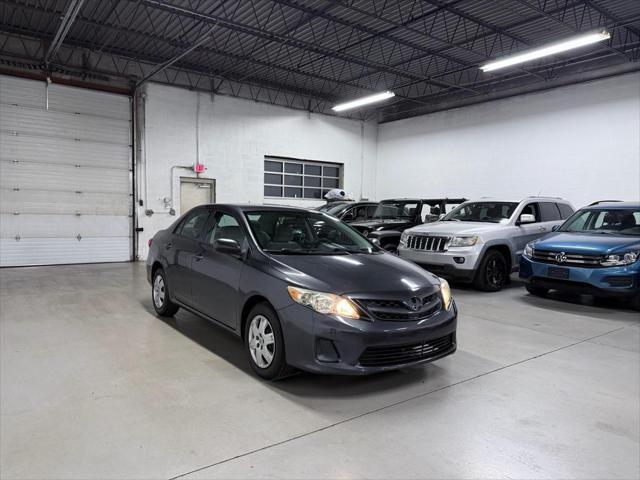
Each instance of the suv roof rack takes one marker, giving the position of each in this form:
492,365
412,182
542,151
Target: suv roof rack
603,201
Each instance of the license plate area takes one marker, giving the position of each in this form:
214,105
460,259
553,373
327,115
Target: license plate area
555,272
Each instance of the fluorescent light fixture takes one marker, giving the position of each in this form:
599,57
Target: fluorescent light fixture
551,49
376,97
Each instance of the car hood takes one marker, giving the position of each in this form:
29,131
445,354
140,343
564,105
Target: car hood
584,243
457,228
382,273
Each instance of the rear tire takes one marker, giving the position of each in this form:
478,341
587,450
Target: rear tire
264,343
493,272
162,304
537,291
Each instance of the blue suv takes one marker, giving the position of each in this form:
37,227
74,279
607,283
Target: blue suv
596,251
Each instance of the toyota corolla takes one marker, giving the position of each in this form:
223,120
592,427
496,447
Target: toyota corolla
302,289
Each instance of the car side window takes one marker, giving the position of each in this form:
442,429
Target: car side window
550,212
532,209
565,210
360,213
225,226
194,223
371,210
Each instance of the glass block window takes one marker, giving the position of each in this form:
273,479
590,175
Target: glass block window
293,178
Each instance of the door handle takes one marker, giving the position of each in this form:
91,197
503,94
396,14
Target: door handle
542,229
198,256
168,246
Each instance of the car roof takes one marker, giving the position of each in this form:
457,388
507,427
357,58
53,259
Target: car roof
425,200
519,200
614,205
248,207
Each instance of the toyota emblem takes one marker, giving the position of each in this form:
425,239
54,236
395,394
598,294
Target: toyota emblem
561,257
414,304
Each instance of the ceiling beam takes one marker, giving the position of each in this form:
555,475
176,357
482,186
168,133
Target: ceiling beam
160,67
63,29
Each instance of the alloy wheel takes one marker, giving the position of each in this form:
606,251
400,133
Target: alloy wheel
158,291
262,344
496,272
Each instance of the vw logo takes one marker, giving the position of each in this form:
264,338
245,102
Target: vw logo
414,304
561,257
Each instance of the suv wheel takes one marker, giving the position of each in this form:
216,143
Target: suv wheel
264,343
537,291
160,295
493,272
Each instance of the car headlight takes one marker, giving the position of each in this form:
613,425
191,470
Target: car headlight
445,292
327,303
619,259
403,238
464,241
528,251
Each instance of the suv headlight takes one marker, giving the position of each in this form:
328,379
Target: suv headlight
464,241
403,238
528,251
445,292
327,303
619,259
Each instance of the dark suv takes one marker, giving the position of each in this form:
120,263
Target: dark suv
350,211
302,289
393,216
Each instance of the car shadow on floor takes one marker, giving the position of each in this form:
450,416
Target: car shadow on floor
586,305
227,346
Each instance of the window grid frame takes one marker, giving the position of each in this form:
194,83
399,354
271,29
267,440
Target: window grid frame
303,163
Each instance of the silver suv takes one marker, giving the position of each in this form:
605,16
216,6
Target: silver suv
481,241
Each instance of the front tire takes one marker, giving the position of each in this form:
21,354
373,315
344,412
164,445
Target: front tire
493,272
537,291
162,304
264,343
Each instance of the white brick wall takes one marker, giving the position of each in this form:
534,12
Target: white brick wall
235,135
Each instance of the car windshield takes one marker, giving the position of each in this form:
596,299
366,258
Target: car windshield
616,221
492,212
305,233
395,209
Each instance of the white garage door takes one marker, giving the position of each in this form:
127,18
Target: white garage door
65,185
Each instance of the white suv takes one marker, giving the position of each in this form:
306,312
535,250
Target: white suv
481,241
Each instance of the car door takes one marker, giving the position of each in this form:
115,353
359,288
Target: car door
180,250
216,275
527,232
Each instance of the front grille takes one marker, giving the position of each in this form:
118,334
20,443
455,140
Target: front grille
427,243
398,310
397,355
572,259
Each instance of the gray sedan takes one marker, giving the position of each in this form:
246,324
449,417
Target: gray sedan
302,290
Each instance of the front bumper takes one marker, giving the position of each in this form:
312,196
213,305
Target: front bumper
456,264
323,344
601,282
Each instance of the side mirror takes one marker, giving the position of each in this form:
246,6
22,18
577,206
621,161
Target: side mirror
228,246
349,216
526,218
555,228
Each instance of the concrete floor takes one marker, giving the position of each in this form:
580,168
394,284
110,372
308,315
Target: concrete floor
93,385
